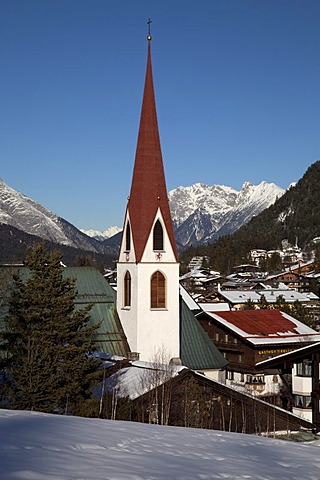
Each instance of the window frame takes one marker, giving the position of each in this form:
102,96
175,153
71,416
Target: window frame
158,291
127,290
303,401
158,237
304,368
128,237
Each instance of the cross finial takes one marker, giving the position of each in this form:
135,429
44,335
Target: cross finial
149,35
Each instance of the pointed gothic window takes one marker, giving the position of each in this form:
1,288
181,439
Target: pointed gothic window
128,237
127,289
158,236
158,290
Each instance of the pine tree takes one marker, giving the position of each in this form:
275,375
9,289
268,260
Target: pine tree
263,304
46,339
249,305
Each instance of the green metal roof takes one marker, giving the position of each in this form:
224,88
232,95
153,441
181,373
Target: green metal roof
197,351
92,288
91,285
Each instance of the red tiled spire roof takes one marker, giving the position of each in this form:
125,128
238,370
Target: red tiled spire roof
148,188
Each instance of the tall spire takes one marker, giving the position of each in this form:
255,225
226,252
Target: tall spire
148,188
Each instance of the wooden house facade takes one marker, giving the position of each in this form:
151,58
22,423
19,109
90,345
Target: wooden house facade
248,337
303,366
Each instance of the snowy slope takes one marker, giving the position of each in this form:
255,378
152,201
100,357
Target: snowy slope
202,213
98,235
29,216
35,446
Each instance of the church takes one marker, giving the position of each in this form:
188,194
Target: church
147,315
151,311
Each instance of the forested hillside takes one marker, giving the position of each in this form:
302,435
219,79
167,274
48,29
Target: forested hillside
14,243
294,216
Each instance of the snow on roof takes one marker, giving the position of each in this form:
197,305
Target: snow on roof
311,296
289,296
240,296
191,303
211,278
271,295
210,306
261,327
299,265
140,378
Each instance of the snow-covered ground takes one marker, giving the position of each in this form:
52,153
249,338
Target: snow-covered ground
36,446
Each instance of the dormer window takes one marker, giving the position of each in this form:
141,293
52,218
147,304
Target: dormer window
128,237
158,236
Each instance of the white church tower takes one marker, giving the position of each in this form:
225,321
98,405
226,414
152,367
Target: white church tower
148,267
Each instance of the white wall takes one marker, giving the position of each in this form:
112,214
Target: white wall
150,330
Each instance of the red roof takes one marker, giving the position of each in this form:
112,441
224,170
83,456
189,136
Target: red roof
260,322
148,188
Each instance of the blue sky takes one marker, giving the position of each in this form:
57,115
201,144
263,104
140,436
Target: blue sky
237,92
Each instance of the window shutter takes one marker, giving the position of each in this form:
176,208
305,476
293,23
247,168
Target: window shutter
158,290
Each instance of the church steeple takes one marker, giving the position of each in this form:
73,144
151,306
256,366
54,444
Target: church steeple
148,188
148,268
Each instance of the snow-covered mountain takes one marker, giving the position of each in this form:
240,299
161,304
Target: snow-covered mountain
202,213
98,235
29,216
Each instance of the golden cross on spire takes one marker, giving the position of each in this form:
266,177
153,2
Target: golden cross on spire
149,35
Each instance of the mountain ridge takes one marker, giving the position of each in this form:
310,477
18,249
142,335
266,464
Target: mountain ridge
202,213
24,214
212,209
294,216
217,210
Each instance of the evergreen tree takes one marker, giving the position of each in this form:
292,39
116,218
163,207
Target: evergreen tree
274,263
296,310
249,305
263,304
301,313
281,304
45,339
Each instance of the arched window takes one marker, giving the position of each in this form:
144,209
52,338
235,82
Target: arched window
127,289
128,237
158,236
158,290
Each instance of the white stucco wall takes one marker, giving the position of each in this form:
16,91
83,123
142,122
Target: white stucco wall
167,254
219,375
150,330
